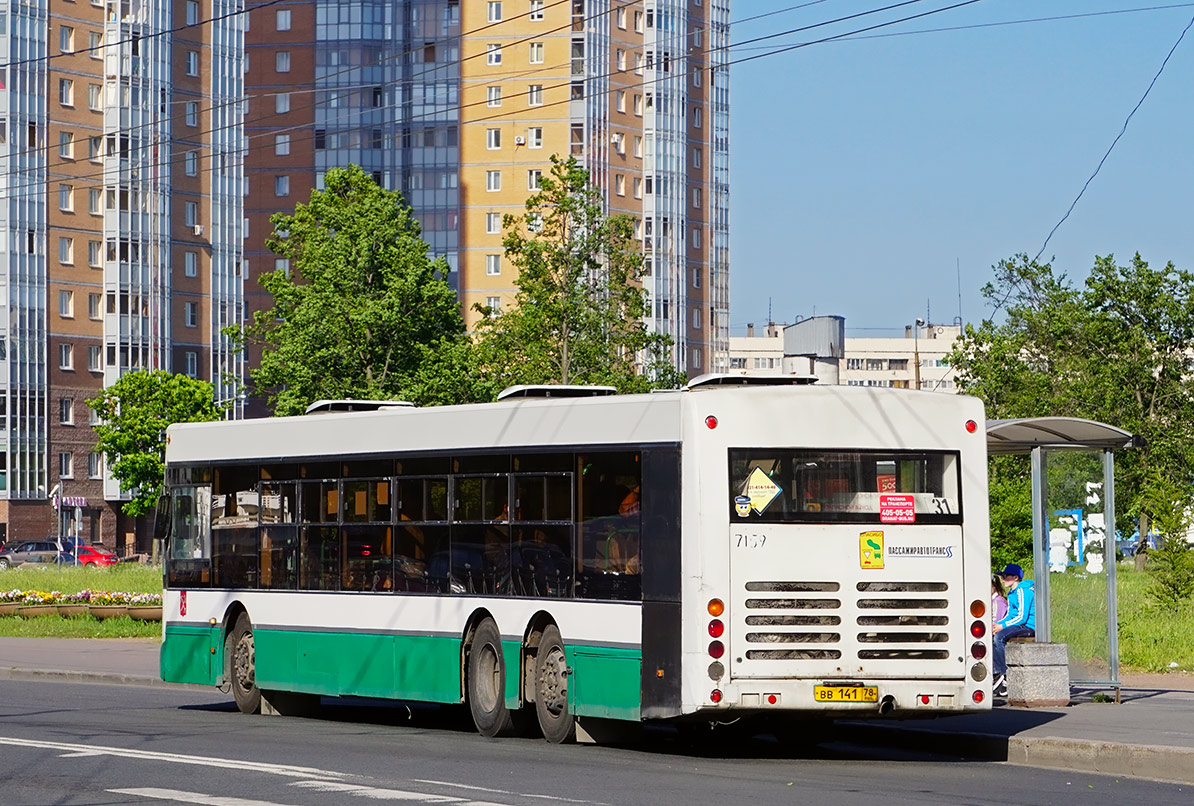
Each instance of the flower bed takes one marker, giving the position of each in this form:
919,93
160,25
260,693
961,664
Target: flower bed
12,601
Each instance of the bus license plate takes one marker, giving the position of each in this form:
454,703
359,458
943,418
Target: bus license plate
846,693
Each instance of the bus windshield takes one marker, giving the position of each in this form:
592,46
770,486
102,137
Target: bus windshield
817,486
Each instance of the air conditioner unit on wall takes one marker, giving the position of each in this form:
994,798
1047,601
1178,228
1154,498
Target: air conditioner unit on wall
198,228
519,140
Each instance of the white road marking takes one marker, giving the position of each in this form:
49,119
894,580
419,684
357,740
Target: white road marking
287,770
178,796
375,793
506,792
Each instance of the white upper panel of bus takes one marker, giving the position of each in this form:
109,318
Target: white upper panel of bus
827,416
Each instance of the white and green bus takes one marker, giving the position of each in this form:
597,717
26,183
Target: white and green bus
707,554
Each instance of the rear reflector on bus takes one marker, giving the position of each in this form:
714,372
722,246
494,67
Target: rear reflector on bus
971,426
711,422
716,649
716,628
716,607
977,696
715,695
978,629
978,650
978,608
978,672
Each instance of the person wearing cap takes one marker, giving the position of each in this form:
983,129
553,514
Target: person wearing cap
1019,622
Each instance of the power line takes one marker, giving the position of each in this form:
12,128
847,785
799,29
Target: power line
40,188
1123,129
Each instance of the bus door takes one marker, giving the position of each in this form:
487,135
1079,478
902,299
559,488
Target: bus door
845,564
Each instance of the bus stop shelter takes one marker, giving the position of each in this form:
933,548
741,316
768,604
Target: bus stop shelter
1038,437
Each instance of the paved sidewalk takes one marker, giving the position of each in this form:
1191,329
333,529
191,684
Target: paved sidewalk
1149,735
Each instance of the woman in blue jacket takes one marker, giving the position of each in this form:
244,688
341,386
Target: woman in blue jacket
1019,622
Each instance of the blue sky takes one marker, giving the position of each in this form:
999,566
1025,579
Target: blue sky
863,172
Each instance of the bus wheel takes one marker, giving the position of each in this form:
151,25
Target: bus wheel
242,661
551,689
487,682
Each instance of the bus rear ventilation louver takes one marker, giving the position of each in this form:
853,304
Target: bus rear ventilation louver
897,643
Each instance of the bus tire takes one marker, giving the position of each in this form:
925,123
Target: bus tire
242,664
551,689
487,682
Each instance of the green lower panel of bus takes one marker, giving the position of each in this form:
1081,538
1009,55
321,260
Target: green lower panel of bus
605,682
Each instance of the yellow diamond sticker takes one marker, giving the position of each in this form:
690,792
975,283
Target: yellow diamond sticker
760,489
870,550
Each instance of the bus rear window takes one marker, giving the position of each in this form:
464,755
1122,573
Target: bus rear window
816,486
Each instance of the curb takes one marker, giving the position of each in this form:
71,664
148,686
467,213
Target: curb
102,678
1154,762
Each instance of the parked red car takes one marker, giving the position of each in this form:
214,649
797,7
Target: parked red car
90,555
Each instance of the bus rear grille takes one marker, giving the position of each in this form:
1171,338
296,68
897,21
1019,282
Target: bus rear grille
793,637
907,611
795,629
902,654
793,654
793,604
793,621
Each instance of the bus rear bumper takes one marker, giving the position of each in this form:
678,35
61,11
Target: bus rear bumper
860,698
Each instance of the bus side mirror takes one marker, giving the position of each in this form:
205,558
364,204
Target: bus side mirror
161,518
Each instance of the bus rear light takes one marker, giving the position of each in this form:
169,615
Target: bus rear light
978,650
716,628
716,670
716,607
978,629
978,672
924,699
715,695
978,608
716,649
978,696
971,426
711,422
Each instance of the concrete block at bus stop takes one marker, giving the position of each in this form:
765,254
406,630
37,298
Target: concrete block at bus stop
1038,675
1032,653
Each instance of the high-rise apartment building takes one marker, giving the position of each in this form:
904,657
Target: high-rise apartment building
460,104
121,182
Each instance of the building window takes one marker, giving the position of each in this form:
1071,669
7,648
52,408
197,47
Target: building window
495,12
493,139
620,185
282,61
66,304
192,63
190,264
95,465
66,411
696,237
281,185
638,21
94,305
192,113
696,198
533,178
66,92
535,222
192,12
493,223
697,114
536,14
66,145
66,251
696,158
621,17
536,53
281,144
95,363
493,53
66,465
95,148
695,355
192,314
620,100
493,265
696,318
638,146
283,20
66,356
638,187
493,96
191,163
192,364
494,304
95,96
95,253
696,278
638,63
874,364
66,39
190,215
282,103
535,137
638,104
493,180
535,95
620,57
95,43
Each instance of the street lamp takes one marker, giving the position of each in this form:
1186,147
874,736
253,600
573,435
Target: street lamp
916,348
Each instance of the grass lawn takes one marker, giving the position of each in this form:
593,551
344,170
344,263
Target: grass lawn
130,577
81,627
1149,639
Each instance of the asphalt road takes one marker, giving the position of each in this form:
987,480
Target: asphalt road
80,744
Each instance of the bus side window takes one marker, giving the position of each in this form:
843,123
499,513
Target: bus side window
610,507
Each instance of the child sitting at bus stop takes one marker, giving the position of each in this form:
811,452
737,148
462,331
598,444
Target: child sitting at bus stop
1019,622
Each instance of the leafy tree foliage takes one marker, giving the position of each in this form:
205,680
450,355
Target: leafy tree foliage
1171,564
578,316
134,414
1115,349
363,311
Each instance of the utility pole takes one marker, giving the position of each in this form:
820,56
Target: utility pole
916,349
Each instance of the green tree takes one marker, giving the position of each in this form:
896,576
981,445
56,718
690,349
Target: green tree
1171,564
578,316
362,311
1114,349
134,413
